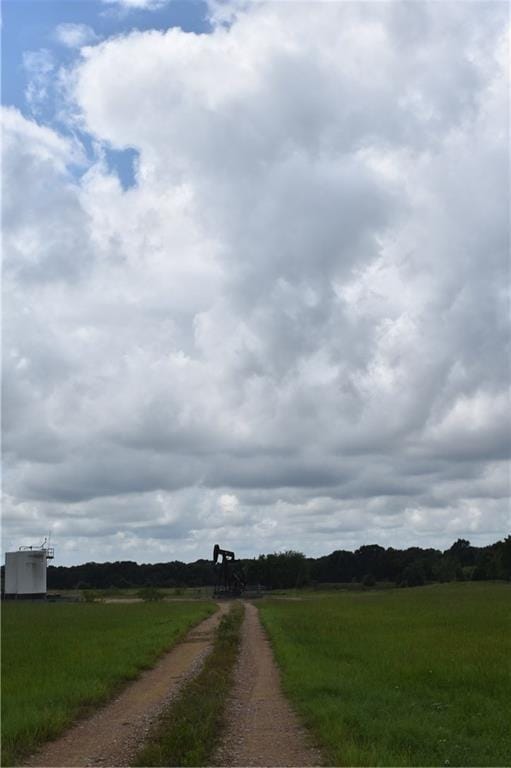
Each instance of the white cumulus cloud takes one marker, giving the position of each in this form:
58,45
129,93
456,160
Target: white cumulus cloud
291,331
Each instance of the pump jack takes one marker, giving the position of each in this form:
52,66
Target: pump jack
230,578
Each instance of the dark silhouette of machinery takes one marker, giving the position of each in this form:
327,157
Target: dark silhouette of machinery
230,578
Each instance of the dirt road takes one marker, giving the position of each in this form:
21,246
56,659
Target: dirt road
114,734
262,728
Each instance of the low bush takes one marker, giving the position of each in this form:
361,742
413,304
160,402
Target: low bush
150,594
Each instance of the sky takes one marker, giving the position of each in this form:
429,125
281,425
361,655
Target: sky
256,276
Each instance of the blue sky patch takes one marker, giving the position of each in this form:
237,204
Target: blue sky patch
123,163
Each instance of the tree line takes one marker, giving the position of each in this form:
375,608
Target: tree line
283,570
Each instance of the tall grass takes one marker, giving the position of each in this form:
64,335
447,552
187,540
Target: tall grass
59,659
401,677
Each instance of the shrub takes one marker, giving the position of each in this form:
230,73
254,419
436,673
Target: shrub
150,594
90,595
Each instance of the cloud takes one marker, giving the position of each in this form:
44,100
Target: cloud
291,331
146,5
39,67
46,235
75,35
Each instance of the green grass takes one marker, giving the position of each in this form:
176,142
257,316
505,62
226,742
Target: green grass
57,660
125,593
189,730
400,677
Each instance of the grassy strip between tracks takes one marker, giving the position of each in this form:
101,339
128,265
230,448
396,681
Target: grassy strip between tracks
414,677
61,661
189,730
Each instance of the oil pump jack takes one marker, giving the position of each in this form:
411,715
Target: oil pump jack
230,578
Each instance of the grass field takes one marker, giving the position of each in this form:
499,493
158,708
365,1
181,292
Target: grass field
59,659
417,677
128,593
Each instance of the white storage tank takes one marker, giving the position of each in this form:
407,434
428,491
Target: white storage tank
25,572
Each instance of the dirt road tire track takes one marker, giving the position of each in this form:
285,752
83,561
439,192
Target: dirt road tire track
113,735
262,729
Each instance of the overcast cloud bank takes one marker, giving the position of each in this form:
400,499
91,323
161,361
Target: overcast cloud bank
292,331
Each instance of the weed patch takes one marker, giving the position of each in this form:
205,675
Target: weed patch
189,730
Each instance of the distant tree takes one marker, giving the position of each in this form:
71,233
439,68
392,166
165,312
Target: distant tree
293,569
340,566
490,562
463,552
480,573
445,568
370,559
413,575
506,558
460,545
280,570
